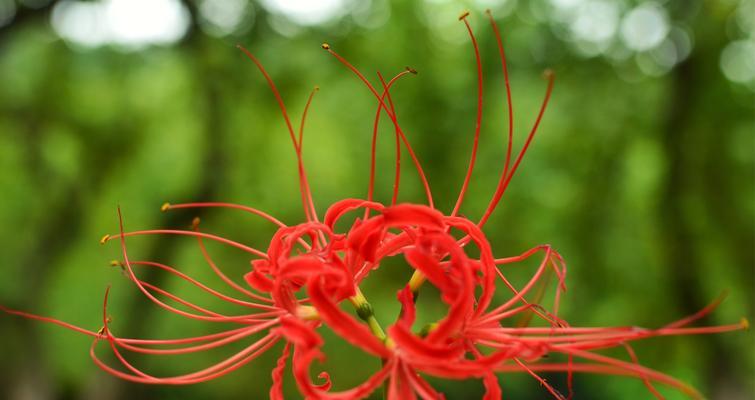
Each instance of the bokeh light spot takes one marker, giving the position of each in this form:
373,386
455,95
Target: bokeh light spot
225,17
306,12
738,61
596,21
645,27
130,24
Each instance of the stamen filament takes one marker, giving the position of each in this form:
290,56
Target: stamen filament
478,122
187,233
367,83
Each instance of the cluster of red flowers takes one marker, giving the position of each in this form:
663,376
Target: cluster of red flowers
297,286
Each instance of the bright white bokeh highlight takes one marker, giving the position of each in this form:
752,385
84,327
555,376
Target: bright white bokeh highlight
595,21
645,27
129,24
307,12
590,25
224,17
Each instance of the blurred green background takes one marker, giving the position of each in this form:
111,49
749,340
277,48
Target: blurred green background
641,175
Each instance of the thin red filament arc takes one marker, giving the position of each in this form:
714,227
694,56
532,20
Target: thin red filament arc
509,101
393,118
309,209
478,122
397,176
373,149
503,183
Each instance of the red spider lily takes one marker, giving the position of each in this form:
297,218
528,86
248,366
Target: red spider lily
314,259
470,341
452,348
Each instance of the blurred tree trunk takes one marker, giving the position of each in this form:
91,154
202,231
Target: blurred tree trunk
694,141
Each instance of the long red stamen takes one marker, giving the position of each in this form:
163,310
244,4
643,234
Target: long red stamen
639,371
608,370
237,245
169,206
143,286
266,216
509,100
49,320
162,292
109,338
542,381
304,116
203,287
246,332
504,181
519,295
367,83
189,340
208,315
373,147
224,277
478,121
561,339
419,385
556,261
143,377
307,192
397,176
150,342
303,184
528,307
645,379
700,314
222,368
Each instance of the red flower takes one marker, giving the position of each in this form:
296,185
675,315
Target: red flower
316,260
453,348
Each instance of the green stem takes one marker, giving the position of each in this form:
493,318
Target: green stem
416,281
367,314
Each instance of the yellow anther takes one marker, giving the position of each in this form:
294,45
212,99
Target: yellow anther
116,263
195,223
428,329
411,70
105,239
745,323
102,330
548,74
307,313
165,207
326,46
358,299
463,15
